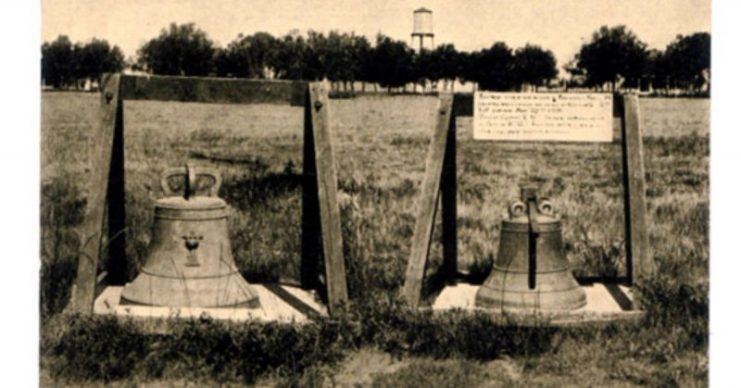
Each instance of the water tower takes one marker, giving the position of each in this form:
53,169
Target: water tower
423,30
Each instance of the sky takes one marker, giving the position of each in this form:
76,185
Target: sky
561,26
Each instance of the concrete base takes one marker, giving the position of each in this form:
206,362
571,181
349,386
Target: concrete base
605,302
277,303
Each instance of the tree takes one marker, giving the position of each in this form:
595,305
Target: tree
96,58
360,50
367,70
442,63
291,57
424,69
315,59
446,64
333,57
57,62
467,71
179,50
336,57
657,72
613,53
533,66
394,62
688,60
492,68
222,63
251,56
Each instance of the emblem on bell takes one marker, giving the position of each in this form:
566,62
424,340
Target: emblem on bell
531,271
190,262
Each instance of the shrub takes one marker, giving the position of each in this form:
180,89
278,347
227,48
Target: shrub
675,304
105,348
97,347
62,209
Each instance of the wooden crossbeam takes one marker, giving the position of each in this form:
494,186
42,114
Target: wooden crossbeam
212,90
463,105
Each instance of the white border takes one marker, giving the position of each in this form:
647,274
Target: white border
19,202
725,262
20,26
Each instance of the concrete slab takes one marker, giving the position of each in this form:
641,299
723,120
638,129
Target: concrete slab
605,302
277,303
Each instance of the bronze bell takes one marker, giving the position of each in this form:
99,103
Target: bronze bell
190,262
531,271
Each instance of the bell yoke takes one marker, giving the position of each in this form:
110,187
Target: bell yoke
190,262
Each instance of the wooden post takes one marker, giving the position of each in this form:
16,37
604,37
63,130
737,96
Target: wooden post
427,205
311,242
101,146
329,210
449,204
116,265
638,260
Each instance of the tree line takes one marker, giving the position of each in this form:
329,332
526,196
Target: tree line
342,59
614,58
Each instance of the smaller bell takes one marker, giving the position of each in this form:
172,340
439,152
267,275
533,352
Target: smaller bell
531,271
190,262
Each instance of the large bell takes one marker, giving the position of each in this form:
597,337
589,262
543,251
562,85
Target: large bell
190,262
531,271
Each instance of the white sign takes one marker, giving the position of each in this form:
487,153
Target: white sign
583,117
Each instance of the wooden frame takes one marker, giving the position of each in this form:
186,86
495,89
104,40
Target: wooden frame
321,222
440,176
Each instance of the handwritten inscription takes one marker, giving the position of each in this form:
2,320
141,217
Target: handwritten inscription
580,117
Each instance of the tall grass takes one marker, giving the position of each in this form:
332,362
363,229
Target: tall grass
380,157
62,209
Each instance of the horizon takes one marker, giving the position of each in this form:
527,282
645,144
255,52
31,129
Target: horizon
477,26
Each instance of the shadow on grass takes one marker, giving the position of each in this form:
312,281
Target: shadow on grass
266,229
246,192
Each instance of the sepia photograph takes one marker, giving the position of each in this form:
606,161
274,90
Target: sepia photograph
410,193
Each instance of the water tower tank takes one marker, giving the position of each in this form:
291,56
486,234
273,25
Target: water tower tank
422,22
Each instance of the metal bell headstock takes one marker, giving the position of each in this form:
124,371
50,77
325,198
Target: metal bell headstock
192,185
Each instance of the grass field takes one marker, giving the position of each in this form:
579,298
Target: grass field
380,144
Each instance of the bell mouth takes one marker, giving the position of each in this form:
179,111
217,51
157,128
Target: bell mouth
213,292
193,203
